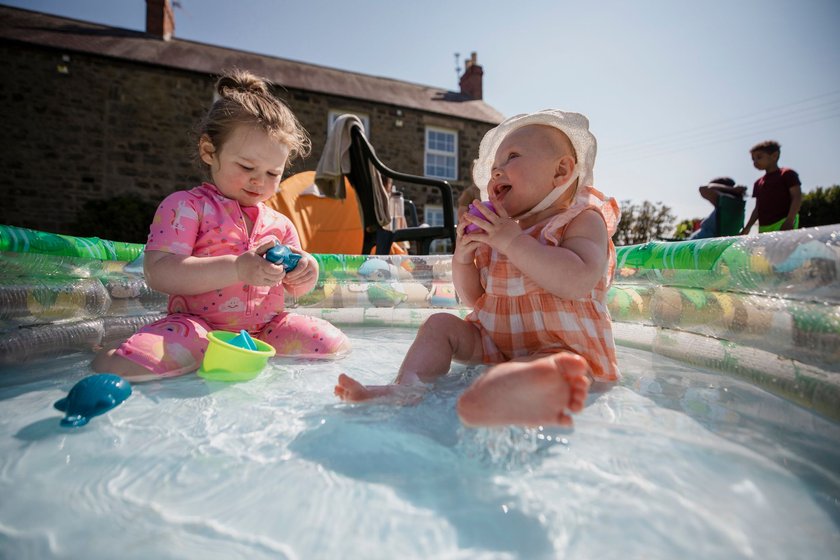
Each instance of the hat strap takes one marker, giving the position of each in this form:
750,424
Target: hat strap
550,198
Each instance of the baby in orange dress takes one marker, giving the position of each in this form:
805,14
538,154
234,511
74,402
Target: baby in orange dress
536,272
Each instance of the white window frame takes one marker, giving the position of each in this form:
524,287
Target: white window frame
433,216
335,113
441,153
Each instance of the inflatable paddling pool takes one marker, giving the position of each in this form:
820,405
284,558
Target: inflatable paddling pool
764,308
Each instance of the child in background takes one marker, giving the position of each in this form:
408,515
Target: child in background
466,198
206,245
778,194
537,275
729,199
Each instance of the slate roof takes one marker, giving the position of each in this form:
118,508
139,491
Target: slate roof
71,35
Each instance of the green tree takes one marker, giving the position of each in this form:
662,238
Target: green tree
643,222
685,228
820,207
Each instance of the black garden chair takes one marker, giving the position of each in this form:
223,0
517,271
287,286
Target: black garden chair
376,236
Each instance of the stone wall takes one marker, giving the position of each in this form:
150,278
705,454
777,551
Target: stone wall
81,127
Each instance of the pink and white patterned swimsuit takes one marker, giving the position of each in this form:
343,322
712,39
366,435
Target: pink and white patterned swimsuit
202,222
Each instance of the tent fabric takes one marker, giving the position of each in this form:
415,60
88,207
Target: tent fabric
324,225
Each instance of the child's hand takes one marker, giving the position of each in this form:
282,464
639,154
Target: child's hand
496,230
788,225
254,270
305,274
465,245
465,248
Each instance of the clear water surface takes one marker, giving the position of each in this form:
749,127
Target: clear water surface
672,463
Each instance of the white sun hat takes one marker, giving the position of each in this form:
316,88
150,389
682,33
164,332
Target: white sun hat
573,125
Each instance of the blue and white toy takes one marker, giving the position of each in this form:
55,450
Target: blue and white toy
281,254
92,396
243,340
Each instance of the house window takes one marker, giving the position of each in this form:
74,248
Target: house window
434,217
335,113
441,153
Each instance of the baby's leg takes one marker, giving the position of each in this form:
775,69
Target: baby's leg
108,361
302,336
172,346
527,393
442,338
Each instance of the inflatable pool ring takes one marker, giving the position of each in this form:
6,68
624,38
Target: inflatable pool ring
443,295
666,307
23,240
45,300
628,302
765,308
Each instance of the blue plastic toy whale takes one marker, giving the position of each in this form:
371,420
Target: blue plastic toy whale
281,254
92,396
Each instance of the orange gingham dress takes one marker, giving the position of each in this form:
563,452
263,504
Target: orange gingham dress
518,318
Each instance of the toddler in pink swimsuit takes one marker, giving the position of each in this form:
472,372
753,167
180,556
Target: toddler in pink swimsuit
536,272
206,245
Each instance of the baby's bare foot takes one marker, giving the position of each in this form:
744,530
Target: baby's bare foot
536,393
348,389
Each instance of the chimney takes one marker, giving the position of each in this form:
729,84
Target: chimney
160,20
471,79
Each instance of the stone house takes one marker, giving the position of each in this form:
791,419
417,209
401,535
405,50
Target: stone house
93,112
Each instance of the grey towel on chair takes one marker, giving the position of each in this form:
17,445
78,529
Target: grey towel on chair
335,162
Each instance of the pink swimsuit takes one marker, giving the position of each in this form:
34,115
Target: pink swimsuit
202,222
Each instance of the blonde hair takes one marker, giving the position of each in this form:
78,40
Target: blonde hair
468,195
245,99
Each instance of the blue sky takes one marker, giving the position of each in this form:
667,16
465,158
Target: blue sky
676,91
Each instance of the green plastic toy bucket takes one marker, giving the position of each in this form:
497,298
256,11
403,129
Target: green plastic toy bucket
226,362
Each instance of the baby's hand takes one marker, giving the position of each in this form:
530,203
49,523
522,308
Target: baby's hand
465,245
496,230
467,241
253,269
305,274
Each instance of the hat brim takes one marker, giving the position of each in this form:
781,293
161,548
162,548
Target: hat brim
574,125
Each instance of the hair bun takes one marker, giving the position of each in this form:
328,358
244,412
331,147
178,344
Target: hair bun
241,81
246,99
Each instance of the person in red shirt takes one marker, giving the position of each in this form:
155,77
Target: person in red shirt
778,194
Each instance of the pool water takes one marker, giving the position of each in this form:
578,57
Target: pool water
674,462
